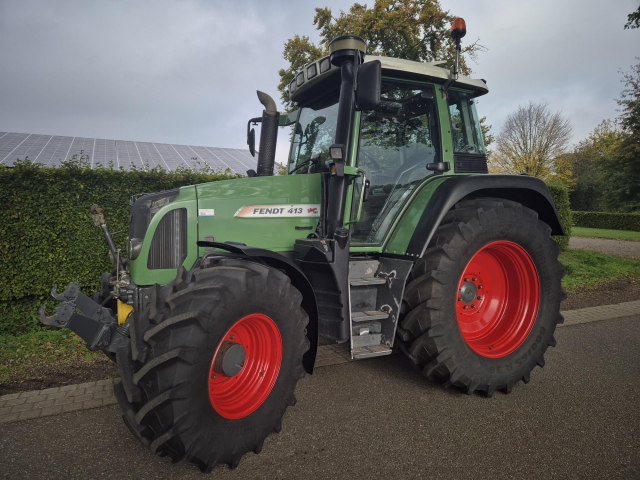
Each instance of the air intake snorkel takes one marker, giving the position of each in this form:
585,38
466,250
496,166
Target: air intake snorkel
346,52
268,136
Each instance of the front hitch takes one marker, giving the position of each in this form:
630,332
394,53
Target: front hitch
92,322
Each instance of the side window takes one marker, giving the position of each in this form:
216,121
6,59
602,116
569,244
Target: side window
465,126
397,140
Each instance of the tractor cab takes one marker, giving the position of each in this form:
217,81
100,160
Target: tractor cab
416,130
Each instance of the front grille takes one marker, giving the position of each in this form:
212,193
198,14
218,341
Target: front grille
470,163
169,244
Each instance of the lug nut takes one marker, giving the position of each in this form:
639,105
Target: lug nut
213,377
474,279
465,307
460,299
479,286
473,306
479,297
466,279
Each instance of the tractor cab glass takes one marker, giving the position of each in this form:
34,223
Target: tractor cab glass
314,133
465,125
397,141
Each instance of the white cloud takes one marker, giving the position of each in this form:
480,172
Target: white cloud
187,71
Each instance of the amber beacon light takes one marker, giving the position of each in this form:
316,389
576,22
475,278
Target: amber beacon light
458,29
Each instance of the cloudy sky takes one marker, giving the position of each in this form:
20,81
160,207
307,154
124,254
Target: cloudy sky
186,71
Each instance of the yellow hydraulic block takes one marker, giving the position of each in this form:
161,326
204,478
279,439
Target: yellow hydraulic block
124,310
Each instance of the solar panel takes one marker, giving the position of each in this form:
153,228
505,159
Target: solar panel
51,150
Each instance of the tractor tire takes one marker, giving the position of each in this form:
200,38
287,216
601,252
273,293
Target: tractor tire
178,396
482,304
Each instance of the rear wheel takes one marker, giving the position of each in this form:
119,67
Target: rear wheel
482,304
213,363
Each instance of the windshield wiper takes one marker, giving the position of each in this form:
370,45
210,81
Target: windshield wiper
313,159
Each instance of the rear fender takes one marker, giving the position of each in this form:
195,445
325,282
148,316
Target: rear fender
529,191
298,280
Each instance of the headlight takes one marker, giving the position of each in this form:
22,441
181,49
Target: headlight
134,246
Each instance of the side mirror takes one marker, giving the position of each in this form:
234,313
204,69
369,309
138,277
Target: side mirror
251,141
251,135
369,79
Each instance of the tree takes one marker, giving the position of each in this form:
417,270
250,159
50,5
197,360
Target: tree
533,141
487,137
588,162
622,176
410,29
633,20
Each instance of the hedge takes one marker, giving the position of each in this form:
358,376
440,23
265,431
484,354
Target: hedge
560,196
47,236
611,221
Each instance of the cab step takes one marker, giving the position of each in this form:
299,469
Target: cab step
369,315
369,352
375,290
359,282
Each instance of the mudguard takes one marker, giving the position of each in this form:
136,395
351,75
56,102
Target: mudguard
298,280
529,191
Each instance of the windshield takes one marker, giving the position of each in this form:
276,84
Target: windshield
314,133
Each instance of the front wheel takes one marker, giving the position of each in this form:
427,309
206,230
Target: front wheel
213,362
484,301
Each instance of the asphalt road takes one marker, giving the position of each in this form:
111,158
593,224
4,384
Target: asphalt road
577,418
605,245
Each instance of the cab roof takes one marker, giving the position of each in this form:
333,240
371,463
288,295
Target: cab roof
302,89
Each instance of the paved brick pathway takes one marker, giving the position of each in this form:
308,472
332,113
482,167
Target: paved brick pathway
54,401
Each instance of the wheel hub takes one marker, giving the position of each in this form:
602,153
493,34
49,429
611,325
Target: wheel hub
468,292
230,359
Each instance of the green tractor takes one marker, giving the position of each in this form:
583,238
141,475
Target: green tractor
386,233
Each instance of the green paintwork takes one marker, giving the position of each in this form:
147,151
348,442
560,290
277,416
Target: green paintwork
226,198
140,274
276,234
407,221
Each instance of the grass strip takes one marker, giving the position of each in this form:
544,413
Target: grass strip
604,233
587,269
42,347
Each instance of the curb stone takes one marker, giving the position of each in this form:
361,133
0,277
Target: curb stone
70,398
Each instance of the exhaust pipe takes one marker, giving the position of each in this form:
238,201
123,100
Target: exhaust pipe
268,136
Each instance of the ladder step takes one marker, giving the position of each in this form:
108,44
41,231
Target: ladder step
370,315
368,352
358,282
368,340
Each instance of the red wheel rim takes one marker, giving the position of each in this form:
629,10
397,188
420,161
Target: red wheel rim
238,396
498,317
